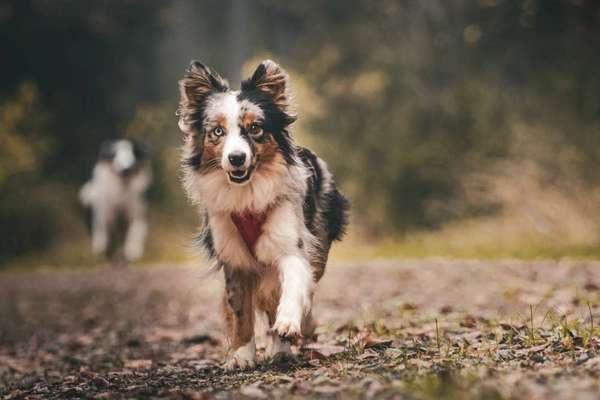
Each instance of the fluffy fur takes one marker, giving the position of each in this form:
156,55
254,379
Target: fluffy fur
116,193
242,167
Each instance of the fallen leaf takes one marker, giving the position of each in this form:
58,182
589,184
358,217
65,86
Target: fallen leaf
374,343
312,355
196,349
327,389
138,364
368,354
79,342
253,391
325,349
393,353
591,286
468,321
12,364
166,335
408,306
347,327
202,338
367,341
446,309
100,382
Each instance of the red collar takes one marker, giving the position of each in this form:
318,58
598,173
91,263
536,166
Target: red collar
249,225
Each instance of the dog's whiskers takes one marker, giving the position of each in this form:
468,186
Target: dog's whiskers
210,165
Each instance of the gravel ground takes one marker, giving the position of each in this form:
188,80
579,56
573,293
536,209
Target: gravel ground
414,329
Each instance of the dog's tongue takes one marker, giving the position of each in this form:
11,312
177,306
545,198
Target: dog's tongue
249,225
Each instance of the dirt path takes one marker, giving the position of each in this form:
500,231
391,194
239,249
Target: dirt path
155,332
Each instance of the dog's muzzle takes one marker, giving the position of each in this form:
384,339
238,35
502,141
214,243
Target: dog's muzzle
240,176
240,173
237,163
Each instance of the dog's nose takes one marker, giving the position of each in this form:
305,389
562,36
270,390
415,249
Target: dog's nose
237,158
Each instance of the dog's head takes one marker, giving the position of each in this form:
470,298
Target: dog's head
124,156
237,133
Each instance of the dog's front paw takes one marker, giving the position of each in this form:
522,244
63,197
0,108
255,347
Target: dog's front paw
239,363
278,348
287,327
242,358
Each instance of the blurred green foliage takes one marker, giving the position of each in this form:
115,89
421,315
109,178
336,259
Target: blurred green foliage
23,145
428,112
421,94
23,148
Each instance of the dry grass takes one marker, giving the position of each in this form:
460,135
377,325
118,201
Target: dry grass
533,203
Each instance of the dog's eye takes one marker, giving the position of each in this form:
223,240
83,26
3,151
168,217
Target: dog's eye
256,130
218,131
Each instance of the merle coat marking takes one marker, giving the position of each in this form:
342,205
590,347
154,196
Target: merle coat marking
270,209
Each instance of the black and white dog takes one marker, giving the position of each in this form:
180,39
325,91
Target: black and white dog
270,208
116,193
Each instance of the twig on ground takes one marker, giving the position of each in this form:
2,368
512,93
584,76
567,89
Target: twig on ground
591,322
531,331
437,335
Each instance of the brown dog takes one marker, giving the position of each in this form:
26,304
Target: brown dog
270,209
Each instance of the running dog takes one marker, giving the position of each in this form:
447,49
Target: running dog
270,209
116,192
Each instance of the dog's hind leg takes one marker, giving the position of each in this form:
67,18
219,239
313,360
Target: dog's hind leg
134,240
308,329
100,227
238,307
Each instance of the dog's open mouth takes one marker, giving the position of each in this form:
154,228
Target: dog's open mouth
240,176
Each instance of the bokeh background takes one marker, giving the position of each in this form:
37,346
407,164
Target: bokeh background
458,128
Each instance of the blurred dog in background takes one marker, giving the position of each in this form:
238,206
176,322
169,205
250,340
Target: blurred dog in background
115,202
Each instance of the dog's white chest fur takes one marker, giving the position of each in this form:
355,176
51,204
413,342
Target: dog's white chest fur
280,234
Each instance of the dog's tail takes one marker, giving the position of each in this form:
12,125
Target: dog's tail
335,214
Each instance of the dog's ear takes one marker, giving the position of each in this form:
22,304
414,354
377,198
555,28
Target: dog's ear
141,151
272,80
107,150
197,84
